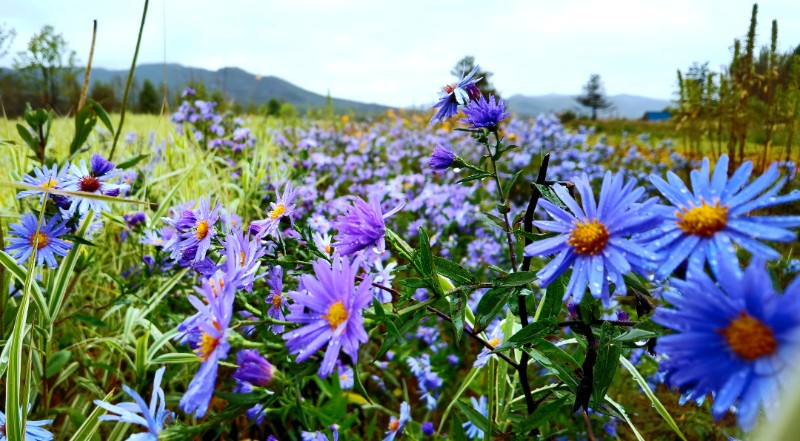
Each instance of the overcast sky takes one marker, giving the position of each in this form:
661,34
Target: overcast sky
401,53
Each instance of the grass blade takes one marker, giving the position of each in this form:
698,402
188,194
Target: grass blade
65,271
653,399
18,272
90,425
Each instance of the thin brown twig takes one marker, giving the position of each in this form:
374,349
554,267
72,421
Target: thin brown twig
88,70
589,431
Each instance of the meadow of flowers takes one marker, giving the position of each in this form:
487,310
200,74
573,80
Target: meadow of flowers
470,276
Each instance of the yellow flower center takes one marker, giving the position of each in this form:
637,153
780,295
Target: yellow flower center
750,338
327,249
241,258
201,229
276,300
51,183
277,212
343,377
588,237
494,342
704,220
39,240
394,425
336,315
207,345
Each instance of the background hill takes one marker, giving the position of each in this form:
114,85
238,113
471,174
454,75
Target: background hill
625,106
236,84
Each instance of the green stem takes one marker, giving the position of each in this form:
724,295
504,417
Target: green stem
128,84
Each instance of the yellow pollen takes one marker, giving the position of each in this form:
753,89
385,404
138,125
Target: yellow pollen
201,229
588,237
207,345
344,377
327,249
494,342
277,212
704,220
276,300
39,240
750,338
51,183
241,260
394,425
336,315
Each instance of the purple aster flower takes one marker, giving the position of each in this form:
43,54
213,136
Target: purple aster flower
427,428
428,382
152,417
319,436
134,219
346,377
442,158
481,406
95,181
396,424
207,335
736,338
482,114
196,229
188,92
44,178
330,311
704,223
275,299
33,430
283,207
362,227
453,359
46,240
257,414
383,276
242,259
594,238
253,368
454,95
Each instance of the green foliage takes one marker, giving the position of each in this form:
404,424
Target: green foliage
594,96
50,65
149,101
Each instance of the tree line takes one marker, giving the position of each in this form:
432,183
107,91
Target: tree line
755,99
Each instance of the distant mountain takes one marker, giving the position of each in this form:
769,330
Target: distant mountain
625,106
238,85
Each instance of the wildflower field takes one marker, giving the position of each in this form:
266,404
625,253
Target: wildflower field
456,273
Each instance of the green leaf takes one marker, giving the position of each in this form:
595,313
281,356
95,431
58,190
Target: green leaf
455,272
238,399
624,416
425,258
380,314
542,415
18,273
90,424
589,308
550,195
412,283
555,360
179,358
101,113
492,221
529,334
28,138
490,305
65,270
75,194
84,123
474,177
57,362
553,300
90,320
458,313
606,365
359,386
521,278
635,334
510,183
132,161
653,399
475,417
77,239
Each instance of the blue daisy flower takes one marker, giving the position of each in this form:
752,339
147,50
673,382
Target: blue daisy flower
96,180
46,241
44,178
396,424
594,237
483,114
196,229
736,338
704,223
152,417
481,406
454,95
33,430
